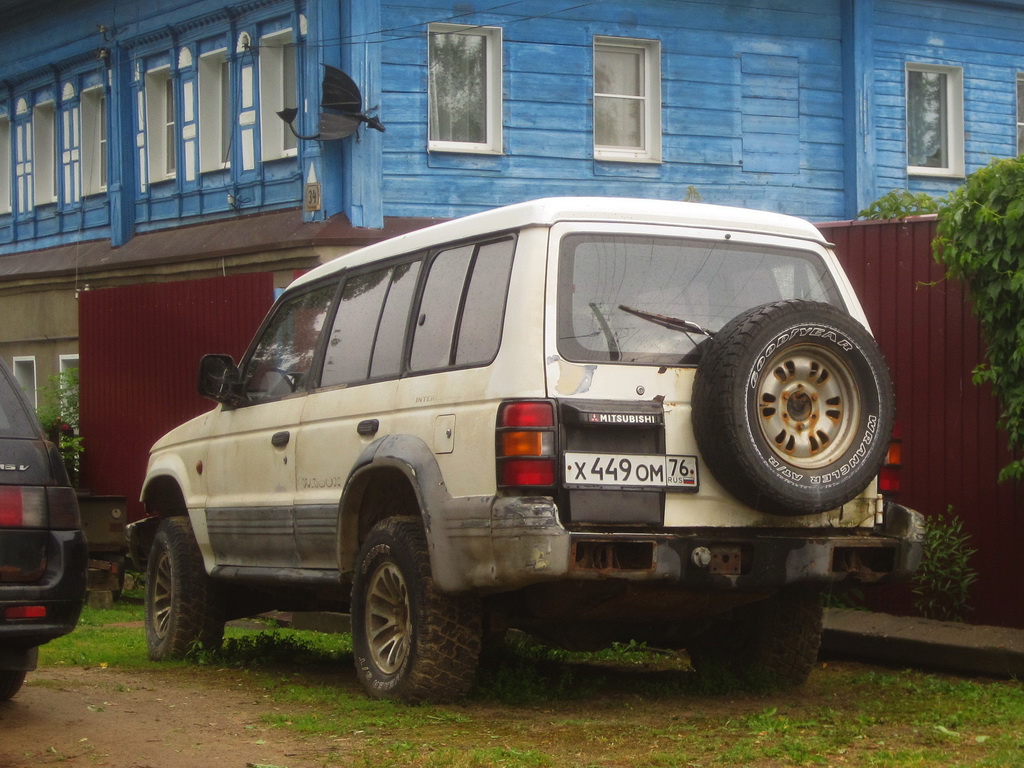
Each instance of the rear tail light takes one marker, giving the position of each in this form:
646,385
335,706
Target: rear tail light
526,444
35,507
889,474
25,612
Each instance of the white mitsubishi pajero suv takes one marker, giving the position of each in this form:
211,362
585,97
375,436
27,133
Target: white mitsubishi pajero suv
591,419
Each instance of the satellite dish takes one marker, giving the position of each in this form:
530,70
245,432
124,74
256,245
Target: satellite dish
343,103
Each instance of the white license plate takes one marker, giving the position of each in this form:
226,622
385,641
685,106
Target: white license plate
620,470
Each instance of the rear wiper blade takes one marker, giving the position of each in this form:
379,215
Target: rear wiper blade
675,323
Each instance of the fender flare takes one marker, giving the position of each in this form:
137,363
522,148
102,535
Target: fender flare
411,457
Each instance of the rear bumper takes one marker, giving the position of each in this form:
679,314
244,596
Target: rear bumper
523,543
60,590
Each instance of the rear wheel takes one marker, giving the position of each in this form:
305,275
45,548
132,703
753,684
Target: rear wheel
410,641
183,609
774,640
10,682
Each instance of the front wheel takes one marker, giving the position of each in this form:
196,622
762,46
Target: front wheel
410,641
183,610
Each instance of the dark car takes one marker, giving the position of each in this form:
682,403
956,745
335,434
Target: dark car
43,554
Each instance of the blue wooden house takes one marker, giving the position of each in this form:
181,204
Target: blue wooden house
142,143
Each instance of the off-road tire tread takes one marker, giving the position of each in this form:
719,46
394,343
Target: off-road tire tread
448,628
775,640
789,636
197,619
718,415
10,682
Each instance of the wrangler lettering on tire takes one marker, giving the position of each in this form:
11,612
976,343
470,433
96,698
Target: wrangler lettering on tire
792,407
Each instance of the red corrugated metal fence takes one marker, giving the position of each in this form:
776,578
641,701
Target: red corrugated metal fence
952,448
139,348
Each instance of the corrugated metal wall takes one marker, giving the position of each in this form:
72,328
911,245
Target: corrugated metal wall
952,448
139,348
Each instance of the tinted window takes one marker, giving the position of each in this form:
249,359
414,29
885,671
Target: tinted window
282,358
463,306
15,419
351,342
621,297
390,343
484,313
439,309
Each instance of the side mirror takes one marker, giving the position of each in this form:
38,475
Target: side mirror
219,379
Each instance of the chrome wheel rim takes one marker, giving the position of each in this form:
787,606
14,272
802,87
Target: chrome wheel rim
808,406
160,609
388,626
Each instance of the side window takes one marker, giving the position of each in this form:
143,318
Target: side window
283,356
439,309
390,343
368,335
463,306
484,312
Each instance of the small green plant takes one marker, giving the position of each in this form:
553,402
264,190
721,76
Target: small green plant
899,204
58,413
942,583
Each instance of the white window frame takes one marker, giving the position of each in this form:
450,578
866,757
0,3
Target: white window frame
94,141
649,52
1020,114
6,199
24,370
44,153
214,111
279,89
65,362
954,120
161,128
493,95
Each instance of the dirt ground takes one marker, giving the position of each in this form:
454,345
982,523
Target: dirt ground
119,719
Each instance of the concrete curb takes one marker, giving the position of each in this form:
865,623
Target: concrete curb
924,643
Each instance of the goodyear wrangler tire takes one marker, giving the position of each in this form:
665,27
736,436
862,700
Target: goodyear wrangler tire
410,642
183,608
793,407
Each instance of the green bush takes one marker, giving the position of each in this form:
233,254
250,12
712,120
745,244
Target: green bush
899,204
981,242
942,583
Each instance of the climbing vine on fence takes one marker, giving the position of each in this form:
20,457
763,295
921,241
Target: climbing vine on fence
981,242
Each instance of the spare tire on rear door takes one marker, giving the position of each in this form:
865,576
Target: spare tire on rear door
793,407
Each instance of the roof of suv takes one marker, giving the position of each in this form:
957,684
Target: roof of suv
547,211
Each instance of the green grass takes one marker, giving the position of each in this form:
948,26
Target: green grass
534,707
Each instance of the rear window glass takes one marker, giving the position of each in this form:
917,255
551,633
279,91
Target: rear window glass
638,299
15,418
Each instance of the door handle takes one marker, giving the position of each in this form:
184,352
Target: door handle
368,427
280,439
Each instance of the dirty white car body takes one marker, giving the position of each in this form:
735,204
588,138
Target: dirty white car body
549,416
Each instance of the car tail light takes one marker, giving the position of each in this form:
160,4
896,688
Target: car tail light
34,507
25,612
63,504
889,474
526,444
23,507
